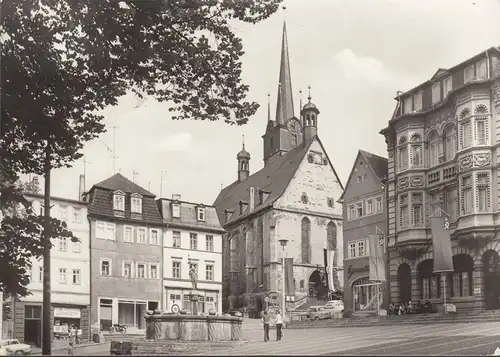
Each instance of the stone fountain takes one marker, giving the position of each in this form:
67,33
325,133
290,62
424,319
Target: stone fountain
192,327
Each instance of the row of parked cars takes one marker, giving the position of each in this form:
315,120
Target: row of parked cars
327,311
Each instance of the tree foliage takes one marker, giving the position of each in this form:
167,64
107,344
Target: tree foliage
65,60
21,239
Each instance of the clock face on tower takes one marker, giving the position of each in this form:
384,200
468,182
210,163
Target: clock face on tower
293,125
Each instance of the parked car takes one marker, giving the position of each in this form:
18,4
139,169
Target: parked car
14,347
335,306
318,313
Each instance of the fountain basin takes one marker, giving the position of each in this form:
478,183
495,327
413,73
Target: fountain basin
163,326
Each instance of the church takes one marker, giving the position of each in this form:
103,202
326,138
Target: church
293,198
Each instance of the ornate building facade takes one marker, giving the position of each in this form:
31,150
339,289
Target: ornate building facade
443,144
292,197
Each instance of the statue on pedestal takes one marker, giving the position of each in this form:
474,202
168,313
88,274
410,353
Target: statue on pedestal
194,277
193,296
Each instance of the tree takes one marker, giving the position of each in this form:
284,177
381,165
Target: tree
64,60
21,239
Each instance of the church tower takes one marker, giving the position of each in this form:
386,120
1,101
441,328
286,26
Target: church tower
309,114
243,158
285,131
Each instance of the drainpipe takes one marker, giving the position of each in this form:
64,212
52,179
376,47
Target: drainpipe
487,65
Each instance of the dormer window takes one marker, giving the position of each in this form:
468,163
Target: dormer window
201,214
263,196
136,204
176,210
227,214
119,201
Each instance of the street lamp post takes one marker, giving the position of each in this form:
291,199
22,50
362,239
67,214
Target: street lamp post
283,243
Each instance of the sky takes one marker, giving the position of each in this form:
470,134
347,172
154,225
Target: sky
355,55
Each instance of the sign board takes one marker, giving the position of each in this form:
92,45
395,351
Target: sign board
477,291
67,312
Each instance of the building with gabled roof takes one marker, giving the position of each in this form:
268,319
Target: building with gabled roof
126,234
192,243
364,213
292,197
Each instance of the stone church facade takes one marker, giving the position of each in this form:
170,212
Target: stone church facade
293,197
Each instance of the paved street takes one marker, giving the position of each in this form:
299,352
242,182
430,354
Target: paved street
442,339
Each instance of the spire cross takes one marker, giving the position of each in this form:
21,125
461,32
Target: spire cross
300,98
309,97
243,140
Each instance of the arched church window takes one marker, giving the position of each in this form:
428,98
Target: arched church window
331,235
313,120
306,241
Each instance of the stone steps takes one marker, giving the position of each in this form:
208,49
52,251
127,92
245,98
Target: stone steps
435,318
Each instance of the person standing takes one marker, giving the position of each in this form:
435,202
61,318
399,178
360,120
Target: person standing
265,321
279,325
71,347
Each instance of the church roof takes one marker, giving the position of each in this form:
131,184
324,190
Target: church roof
272,178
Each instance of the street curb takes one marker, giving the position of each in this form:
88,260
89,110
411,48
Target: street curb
76,347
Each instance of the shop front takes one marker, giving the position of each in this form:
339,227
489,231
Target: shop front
179,299
28,321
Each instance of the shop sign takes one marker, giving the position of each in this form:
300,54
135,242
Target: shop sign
353,269
67,312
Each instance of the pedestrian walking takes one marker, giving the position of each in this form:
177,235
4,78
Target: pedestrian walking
265,321
279,325
71,347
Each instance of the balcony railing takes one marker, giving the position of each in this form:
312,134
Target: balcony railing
442,174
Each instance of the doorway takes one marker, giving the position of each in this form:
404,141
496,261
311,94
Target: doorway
491,264
33,325
317,286
404,283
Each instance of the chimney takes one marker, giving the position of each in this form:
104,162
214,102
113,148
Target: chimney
81,187
176,197
252,199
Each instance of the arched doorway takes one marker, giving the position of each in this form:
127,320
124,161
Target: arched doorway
461,279
404,282
317,285
430,284
491,264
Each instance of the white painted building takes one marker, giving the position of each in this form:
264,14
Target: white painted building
192,240
70,274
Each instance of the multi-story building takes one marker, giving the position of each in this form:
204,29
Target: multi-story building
363,204
292,197
70,275
192,241
443,143
126,238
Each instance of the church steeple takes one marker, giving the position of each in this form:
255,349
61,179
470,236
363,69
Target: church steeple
243,158
284,103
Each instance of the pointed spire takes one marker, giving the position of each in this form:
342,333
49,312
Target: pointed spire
300,103
269,107
284,105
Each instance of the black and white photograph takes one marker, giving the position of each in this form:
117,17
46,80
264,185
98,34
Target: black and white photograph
250,177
